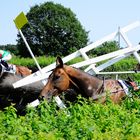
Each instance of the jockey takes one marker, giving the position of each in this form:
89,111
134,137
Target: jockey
5,56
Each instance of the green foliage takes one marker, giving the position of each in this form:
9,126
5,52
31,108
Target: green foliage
42,60
105,48
128,64
54,30
83,120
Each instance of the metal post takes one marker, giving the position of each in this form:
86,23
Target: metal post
117,76
119,36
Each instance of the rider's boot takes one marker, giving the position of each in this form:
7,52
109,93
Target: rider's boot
4,63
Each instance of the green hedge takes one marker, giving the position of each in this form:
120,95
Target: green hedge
43,61
128,64
84,120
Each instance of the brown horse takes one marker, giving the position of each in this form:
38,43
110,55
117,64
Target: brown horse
65,77
15,69
23,71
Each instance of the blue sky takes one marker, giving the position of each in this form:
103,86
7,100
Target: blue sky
97,16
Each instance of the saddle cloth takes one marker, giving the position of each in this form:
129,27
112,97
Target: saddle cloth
12,69
125,88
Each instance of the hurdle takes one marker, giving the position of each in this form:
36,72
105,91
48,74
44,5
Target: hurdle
114,56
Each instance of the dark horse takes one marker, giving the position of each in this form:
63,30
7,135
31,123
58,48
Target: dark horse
65,77
19,96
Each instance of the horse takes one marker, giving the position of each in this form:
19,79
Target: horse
64,78
16,69
20,96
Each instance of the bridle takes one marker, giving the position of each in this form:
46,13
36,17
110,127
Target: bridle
71,80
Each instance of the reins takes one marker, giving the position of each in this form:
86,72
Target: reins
71,80
101,88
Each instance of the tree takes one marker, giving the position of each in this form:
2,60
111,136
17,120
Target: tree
105,48
53,30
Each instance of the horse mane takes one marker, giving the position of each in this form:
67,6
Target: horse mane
85,73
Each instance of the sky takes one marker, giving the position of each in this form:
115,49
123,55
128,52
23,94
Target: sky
99,17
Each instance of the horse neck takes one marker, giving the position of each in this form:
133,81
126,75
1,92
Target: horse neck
83,79
23,71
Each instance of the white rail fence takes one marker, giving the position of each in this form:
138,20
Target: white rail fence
91,62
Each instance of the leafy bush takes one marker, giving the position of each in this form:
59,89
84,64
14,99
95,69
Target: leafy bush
128,64
105,48
29,62
83,120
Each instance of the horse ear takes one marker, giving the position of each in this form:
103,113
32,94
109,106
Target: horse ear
59,62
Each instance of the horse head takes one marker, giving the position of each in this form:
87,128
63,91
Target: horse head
63,78
58,81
